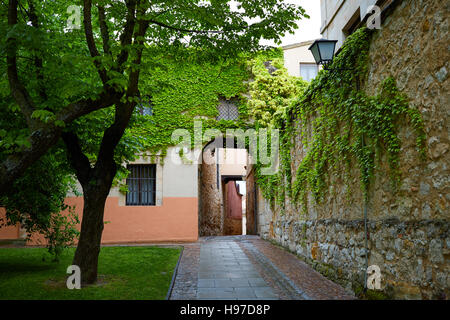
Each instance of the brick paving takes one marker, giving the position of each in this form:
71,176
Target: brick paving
312,283
246,267
282,285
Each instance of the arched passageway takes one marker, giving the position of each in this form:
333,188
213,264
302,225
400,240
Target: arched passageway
223,190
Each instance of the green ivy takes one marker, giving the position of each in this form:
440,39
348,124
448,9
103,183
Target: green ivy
186,91
272,96
339,126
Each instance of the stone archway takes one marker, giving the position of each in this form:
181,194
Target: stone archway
218,166
210,218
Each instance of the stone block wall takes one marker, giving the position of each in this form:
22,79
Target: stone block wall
408,229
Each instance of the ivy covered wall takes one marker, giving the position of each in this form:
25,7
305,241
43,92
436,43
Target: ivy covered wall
372,137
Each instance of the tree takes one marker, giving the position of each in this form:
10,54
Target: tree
36,199
211,29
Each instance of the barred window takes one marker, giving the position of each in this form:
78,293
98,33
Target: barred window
228,110
141,184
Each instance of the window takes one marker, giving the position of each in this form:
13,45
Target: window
227,110
141,184
146,106
352,24
308,71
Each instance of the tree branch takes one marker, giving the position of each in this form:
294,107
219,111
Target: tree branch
15,165
103,29
20,94
83,107
124,110
90,40
77,158
127,35
37,59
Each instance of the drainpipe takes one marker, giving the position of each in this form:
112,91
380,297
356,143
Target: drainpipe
365,243
365,200
366,247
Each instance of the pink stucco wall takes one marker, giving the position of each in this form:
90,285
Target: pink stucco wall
7,232
175,220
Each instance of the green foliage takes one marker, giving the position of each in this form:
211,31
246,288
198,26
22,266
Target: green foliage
341,126
183,92
272,96
37,199
179,93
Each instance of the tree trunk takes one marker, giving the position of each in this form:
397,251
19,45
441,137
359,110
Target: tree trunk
88,249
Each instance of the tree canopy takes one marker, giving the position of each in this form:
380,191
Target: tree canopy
77,77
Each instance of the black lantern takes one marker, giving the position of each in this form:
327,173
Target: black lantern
323,51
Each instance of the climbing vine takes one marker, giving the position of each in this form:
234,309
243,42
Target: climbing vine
339,125
186,91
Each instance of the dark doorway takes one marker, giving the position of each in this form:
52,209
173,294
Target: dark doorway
233,208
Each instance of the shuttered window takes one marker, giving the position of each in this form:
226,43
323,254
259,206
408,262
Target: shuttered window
141,184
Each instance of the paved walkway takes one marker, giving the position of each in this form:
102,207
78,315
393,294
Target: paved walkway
225,272
248,268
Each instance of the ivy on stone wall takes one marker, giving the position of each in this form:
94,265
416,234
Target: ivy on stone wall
341,127
272,93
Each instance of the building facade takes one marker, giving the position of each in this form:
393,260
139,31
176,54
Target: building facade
299,61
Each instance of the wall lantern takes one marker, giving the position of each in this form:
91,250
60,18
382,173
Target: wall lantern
323,51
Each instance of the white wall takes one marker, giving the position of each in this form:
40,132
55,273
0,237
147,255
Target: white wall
336,15
296,54
179,177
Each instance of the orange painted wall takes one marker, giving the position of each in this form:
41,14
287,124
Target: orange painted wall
175,220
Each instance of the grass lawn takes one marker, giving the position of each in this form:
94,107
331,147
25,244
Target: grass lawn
124,273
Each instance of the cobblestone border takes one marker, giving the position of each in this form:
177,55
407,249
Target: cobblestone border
185,283
175,271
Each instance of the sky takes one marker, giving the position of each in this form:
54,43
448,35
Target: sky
309,29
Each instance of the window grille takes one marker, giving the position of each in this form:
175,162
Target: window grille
145,106
228,110
141,184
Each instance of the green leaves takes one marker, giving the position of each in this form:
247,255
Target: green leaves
339,126
43,115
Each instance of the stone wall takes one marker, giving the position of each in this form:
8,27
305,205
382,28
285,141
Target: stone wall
210,206
408,229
